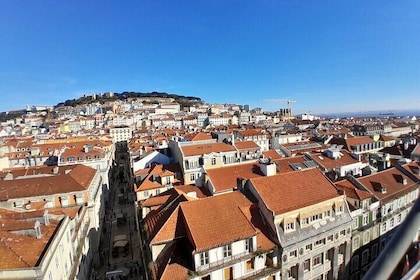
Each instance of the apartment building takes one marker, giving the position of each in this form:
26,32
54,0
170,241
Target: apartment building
75,191
393,192
196,156
228,242
156,179
338,163
256,135
97,154
35,245
365,229
248,150
311,221
120,133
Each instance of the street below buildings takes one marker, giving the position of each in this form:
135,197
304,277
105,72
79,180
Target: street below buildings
120,247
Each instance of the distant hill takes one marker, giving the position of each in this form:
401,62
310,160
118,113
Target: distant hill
184,101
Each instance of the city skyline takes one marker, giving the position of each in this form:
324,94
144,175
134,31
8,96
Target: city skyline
330,57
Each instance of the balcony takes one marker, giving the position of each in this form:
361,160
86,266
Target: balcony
224,262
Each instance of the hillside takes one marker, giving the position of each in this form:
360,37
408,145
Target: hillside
184,101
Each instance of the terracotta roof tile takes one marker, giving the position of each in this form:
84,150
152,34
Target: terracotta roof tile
294,190
14,253
241,145
225,178
208,148
198,136
70,178
351,191
217,220
329,163
271,154
391,180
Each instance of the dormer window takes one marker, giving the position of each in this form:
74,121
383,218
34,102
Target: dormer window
248,245
290,226
204,258
227,250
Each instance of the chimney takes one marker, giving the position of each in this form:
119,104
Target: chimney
37,228
55,169
46,218
267,167
192,194
240,183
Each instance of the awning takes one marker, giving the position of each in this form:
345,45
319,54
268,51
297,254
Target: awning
120,243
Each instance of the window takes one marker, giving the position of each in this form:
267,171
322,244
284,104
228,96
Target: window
343,232
308,247
227,250
355,243
365,219
316,217
355,223
384,227
399,218
374,251
330,238
365,257
250,264
293,254
290,226
192,176
304,221
146,193
355,263
327,213
307,265
213,161
168,180
317,260
366,237
391,223
248,245
204,258
320,242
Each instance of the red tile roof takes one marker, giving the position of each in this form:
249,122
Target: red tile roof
198,136
70,178
351,191
272,154
391,179
329,163
208,148
225,178
214,221
242,145
14,253
294,190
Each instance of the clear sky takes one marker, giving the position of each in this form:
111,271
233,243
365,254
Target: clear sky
329,56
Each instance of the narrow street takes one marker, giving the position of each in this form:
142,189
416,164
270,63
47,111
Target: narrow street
120,252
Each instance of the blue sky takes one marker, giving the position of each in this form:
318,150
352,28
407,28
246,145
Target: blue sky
329,56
